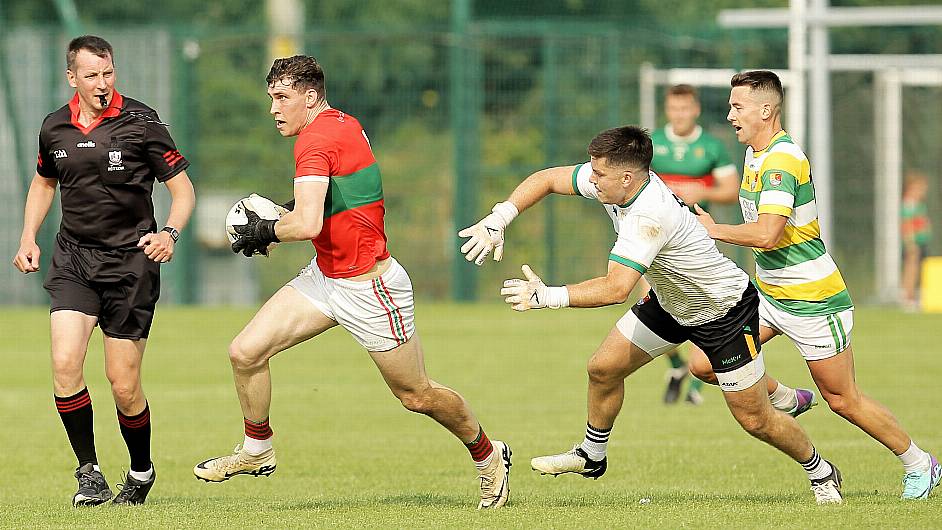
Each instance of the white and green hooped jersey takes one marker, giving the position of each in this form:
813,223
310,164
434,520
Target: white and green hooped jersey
797,275
659,237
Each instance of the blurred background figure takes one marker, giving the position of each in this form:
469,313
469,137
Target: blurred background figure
697,168
916,231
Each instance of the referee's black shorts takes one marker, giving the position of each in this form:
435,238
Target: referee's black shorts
119,286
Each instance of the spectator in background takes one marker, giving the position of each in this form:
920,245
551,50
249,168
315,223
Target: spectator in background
916,233
697,167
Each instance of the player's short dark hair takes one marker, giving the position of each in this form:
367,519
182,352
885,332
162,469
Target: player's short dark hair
303,71
761,80
93,44
684,90
623,146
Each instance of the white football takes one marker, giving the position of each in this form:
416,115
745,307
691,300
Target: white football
265,208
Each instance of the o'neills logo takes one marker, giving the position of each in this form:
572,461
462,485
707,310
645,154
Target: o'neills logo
85,144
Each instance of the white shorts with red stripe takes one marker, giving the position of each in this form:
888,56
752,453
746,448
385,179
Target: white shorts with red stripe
379,313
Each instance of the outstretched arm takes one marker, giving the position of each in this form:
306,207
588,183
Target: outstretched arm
540,184
532,293
487,235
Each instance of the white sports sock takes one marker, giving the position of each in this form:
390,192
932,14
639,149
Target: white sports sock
817,467
784,398
595,443
256,447
142,476
486,462
914,459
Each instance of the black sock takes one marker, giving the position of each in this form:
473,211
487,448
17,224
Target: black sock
76,414
136,432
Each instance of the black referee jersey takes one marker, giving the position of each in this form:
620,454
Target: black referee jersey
106,171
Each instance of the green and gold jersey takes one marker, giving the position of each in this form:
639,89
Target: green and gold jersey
797,275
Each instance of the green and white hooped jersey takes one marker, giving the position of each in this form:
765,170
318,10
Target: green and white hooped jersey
659,237
797,275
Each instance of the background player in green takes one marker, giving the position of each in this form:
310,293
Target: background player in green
697,168
916,232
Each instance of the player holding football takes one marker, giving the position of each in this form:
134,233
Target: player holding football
803,293
697,295
353,282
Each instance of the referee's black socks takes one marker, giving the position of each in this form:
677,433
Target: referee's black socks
136,432
76,414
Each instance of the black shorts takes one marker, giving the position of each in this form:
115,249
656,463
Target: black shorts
731,342
119,286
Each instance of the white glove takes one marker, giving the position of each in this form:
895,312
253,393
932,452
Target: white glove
532,293
488,234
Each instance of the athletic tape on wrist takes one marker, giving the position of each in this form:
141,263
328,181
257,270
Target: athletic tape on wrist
506,212
557,297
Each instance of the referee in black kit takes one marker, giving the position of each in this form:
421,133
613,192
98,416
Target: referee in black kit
104,151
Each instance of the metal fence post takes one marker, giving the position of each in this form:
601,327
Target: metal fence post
464,120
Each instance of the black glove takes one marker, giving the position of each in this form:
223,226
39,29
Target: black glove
254,236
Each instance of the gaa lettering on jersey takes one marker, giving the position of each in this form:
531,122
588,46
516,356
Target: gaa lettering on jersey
797,275
113,166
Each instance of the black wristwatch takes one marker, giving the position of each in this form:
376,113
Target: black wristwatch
174,233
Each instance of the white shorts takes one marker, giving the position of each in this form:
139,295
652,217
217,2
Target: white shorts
379,313
816,337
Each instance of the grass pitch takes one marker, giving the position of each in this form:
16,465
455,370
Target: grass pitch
350,456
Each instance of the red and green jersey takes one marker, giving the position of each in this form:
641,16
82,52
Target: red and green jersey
334,147
693,160
915,224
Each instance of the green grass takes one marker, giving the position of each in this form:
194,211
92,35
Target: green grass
350,455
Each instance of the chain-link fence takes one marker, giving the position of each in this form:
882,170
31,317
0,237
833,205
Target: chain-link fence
457,116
